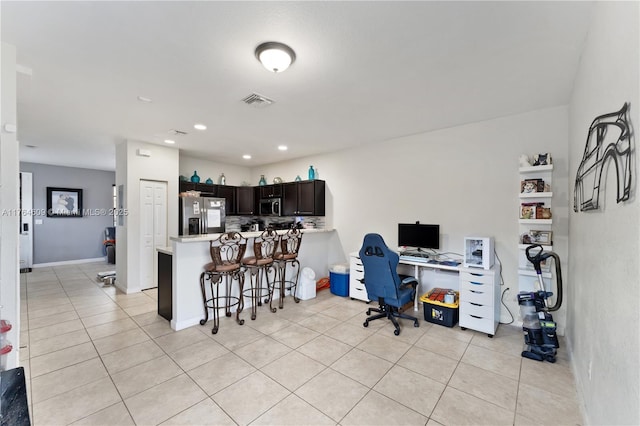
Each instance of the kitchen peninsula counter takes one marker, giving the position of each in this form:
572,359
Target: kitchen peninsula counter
319,249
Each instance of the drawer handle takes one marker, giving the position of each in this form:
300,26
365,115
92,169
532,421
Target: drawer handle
476,275
475,283
475,304
357,270
476,292
360,289
361,280
475,316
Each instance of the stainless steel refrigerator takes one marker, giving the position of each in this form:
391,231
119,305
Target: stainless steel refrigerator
201,215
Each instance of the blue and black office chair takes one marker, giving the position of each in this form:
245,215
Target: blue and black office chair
383,282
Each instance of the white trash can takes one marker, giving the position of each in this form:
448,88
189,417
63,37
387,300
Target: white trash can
307,284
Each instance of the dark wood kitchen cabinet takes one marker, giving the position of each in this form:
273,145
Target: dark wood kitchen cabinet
229,194
271,191
165,284
206,189
303,198
213,190
246,200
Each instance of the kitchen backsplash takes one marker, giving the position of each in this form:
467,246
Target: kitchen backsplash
241,223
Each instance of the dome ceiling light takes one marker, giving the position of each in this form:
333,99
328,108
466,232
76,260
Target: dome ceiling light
274,56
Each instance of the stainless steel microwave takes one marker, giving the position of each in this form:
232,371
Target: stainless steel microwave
270,207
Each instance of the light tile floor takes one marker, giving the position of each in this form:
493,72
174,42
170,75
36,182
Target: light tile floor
96,356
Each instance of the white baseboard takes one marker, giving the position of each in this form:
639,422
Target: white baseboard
70,262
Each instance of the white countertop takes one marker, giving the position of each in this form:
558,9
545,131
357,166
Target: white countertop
248,234
165,250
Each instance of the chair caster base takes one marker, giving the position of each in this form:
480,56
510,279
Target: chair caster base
416,324
366,323
214,330
253,317
228,314
203,322
240,322
396,332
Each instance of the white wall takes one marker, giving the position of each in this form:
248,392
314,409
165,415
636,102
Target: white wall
235,175
604,271
9,189
464,178
161,166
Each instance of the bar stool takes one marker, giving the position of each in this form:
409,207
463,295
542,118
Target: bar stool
288,255
259,266
225,268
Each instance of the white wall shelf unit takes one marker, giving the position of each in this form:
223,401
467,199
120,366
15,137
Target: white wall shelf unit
537,195
535,221
526,273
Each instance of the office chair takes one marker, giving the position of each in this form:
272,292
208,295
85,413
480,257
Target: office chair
383,282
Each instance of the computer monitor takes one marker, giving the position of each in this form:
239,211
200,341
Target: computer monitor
419,235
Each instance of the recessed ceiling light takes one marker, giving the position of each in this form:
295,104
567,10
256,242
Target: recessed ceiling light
169,141
144,99
246,157
200,126
282,147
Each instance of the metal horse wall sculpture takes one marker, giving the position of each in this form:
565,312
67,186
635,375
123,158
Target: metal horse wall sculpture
609,139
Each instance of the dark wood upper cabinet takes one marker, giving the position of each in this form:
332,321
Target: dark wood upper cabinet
246,200
271,191
304,198
229,194
213,190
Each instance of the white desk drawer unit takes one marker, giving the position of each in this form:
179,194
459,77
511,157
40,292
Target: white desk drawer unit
357,289
479,300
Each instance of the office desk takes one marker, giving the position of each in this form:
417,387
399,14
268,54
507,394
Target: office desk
479,291
356,285
435,266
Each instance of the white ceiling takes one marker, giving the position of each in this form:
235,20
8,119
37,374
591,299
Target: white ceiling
365,72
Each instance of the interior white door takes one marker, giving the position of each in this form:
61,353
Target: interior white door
153,229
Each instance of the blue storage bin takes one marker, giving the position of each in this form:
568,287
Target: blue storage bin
339,280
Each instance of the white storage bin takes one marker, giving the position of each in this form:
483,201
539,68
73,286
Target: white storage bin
307,284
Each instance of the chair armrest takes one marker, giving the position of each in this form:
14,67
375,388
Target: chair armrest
408,280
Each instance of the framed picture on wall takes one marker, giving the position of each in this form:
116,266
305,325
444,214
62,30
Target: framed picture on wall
64,202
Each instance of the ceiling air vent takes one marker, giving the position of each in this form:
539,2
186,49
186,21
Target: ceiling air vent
257,101
177,132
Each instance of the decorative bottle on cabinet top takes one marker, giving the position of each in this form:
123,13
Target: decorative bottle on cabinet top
195,178
223,179
312,173
263,181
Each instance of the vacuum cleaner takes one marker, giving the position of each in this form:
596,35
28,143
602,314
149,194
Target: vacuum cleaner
537,322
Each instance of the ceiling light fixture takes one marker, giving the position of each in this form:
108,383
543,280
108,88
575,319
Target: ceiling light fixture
246,157
144,99
282,147
199,126
169,141
274,56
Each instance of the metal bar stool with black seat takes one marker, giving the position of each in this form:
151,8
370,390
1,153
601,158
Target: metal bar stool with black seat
260,266
288,255
225,268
